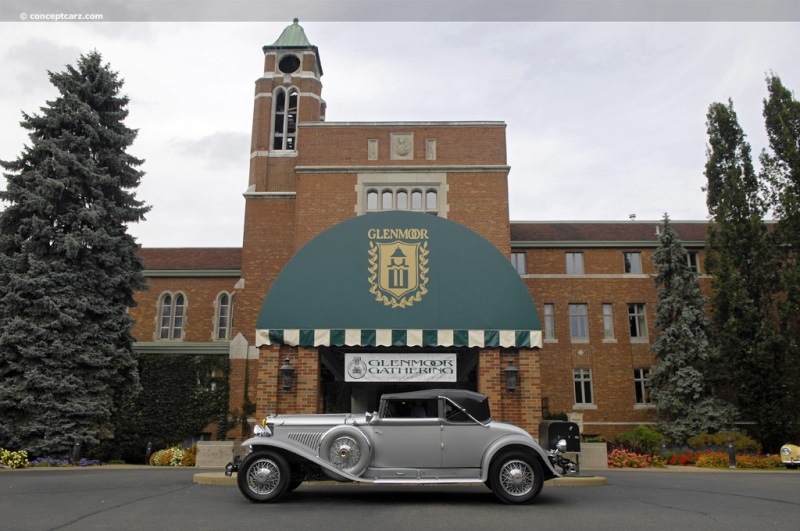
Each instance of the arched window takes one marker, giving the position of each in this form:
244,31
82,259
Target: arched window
431,200
402,200
284,119
416,200
224,320
387,200
372,200
171,316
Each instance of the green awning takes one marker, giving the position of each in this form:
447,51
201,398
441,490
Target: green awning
399,279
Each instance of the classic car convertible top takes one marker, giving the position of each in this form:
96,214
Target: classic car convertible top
429,436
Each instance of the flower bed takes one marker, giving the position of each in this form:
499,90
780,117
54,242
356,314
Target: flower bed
175,456
52,462
625,459
13,459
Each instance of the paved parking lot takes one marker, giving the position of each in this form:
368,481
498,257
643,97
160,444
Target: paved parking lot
166,498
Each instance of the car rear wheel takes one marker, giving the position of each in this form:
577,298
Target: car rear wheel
515,477
264,476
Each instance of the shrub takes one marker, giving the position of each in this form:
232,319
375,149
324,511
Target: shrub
13,459
190,456
758,461
687,458
175,456
624,459
741,442
711,459
641,439
44,462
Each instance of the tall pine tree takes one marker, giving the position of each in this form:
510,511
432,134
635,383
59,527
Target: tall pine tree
679,388
742,260
781,170
68,267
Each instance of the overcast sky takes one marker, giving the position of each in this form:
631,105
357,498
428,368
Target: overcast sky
604,119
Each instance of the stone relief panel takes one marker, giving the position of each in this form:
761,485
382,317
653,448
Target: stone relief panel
402,146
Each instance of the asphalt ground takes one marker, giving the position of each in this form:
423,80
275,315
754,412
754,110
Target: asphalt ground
168,498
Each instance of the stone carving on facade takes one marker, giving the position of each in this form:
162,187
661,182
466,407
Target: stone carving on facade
402,146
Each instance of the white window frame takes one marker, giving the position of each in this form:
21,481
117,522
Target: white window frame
637,321
171,316
223,316
519,262
549,322
632,262
423,192
582,385
641,394
693,261
575,264
608,322
579,322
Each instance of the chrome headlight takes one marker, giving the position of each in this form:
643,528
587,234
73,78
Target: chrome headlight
261,431
786,451
561,445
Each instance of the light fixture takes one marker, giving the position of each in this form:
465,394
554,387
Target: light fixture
511,375
287,375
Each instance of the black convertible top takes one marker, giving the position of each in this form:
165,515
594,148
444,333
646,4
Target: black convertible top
476,404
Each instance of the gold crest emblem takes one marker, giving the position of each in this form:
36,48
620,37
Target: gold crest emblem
398,272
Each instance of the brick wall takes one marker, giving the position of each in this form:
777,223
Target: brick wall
612,361
201,295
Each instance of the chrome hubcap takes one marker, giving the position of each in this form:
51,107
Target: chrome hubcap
263,477
516,477
344,453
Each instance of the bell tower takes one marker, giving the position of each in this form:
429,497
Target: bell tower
287,93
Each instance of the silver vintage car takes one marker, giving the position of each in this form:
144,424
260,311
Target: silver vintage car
421,437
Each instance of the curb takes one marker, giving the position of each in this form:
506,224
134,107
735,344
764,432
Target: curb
219,478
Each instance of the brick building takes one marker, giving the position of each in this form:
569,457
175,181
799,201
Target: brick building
379,257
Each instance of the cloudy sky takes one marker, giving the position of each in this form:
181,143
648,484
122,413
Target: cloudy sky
604,118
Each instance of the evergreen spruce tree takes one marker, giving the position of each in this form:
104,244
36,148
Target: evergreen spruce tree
685,404
742,260
68,267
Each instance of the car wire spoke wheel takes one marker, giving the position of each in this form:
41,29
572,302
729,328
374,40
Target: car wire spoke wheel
344,453
263,477
516,478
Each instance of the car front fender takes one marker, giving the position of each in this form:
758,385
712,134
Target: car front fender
517,441
303,452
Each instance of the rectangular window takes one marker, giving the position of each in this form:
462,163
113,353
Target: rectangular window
640,377
575,263
693,260
549,321
578,322
637,320
608,322
583,385
633,263
518,261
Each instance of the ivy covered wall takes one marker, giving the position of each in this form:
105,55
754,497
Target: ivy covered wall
182,397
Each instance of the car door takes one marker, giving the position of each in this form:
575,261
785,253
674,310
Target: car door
405,441
464,441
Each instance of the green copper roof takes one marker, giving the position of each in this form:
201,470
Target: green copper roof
399,278
293,37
